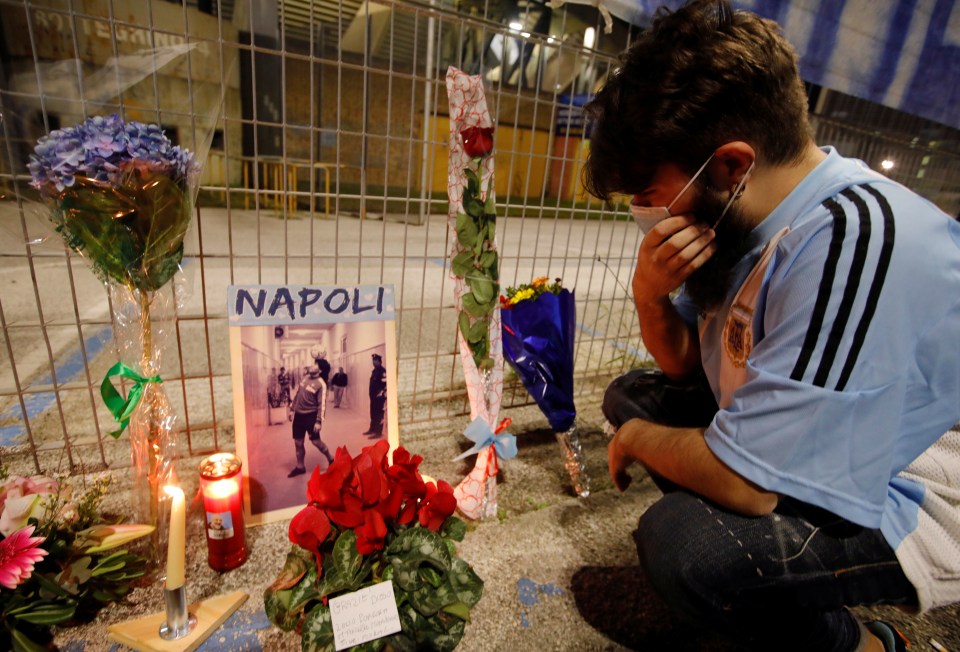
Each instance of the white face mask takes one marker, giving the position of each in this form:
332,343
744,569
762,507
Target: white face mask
647,217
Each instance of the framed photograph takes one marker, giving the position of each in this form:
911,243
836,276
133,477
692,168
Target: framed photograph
314,368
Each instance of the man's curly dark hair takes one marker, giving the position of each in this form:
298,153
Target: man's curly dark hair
701,76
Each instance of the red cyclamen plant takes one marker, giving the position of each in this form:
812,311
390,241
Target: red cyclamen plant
370,521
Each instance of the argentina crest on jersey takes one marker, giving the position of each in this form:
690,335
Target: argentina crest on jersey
738,334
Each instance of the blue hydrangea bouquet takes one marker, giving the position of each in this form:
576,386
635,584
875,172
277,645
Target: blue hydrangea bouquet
121,194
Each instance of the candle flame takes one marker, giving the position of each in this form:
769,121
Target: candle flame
221,488
173,490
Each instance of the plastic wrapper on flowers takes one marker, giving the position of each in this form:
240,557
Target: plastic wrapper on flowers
538,343
121,195
475,267
118,192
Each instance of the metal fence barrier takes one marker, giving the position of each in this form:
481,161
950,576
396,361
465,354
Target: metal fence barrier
325,163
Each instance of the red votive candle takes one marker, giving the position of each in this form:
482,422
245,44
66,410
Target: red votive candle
223,511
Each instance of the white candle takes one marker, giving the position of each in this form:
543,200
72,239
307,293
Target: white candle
177,540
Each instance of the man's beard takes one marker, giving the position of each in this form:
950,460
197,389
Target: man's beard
708,286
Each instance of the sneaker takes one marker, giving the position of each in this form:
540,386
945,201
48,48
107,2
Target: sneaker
296,472
891,637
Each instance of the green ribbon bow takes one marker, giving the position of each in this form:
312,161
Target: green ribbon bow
121,408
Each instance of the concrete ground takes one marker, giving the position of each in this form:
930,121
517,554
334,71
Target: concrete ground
560,572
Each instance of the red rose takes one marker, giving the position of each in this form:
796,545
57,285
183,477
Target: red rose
438,504
477,141
308,529
370,535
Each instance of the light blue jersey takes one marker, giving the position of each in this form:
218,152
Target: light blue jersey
836,362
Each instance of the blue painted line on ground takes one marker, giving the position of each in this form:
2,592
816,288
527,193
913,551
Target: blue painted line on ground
529,592
68,367
441,262
238,633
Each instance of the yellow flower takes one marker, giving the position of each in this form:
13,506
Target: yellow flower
521,295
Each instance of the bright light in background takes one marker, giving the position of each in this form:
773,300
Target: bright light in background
886,164
589,37
515,25
525,34
551,40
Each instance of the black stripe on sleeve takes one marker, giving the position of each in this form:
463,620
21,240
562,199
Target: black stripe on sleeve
873,297
823,293
849,291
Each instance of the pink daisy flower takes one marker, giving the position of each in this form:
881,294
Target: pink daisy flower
18,554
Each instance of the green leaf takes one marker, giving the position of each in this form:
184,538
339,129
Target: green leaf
488,259
400,642
428,600
473,182
54,589
483,289
429,575
295,567
465,582
412,548
317,635
49,613
462,264
375,645
490,206
277,606
103,596
454,528
472,206
346,559
464,322
477,332
22,643
304,591
161,220
107,567
458,609
466,231
440,633
475,309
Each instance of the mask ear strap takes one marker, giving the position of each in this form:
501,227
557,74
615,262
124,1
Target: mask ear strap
690,183
736,194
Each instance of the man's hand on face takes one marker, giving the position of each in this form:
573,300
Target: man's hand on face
669,253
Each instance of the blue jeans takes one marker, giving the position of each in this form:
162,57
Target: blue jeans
780,581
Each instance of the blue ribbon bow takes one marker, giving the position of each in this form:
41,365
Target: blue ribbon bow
480,434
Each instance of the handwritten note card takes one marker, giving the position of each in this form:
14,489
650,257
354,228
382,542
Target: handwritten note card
364,615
